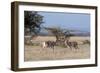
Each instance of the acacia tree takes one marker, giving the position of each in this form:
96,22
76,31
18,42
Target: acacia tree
59,33
32,21
55,31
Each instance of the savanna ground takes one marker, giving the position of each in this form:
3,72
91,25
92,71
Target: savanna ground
37,53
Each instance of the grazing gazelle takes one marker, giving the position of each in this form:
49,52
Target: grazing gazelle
49,44
72,44
86,42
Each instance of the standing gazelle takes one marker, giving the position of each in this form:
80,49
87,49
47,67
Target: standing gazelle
72,44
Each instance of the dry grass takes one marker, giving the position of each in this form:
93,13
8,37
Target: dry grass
36,53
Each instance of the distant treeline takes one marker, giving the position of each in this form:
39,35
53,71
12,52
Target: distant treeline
74,34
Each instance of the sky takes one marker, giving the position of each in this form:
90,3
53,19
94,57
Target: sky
73,21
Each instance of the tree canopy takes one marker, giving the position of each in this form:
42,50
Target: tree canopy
32,21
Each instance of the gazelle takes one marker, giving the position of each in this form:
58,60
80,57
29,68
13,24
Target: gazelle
72,44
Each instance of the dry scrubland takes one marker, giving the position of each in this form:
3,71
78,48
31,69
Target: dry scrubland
36,53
